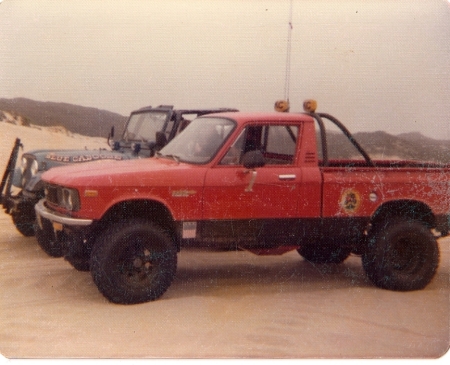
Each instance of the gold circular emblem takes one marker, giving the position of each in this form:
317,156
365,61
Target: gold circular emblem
350,201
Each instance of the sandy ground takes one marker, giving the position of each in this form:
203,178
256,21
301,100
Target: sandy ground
221,304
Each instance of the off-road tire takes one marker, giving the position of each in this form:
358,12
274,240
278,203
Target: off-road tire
401,255
24,222
133,262
78,263
47,240
324,253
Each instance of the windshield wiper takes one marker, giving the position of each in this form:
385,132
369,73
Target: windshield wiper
174,157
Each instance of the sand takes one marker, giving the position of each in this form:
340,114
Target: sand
220,305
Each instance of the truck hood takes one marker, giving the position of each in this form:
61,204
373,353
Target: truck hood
136,172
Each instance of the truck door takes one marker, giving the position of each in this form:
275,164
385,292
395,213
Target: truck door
250,201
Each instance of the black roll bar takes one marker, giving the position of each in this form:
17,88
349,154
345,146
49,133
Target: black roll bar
318,117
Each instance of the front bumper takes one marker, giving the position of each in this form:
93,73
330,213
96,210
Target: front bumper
55,217
75,234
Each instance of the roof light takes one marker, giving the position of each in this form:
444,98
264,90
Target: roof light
310,105
282,106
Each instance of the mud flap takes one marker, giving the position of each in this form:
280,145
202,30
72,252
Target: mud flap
8,175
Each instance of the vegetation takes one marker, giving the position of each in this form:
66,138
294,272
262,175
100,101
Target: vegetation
78,119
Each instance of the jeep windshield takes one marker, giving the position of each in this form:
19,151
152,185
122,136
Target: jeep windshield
200,141
143,126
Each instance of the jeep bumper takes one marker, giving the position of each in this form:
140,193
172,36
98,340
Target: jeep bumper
19,203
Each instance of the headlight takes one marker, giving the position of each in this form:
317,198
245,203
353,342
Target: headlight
64,197
24,164
34,168
29,167
70,199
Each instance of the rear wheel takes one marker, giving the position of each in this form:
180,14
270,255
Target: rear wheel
401,255
133,262
324,253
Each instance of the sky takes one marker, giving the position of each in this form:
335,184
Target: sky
373,64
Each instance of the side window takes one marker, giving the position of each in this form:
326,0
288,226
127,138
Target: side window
277,143
234,154
282,140
281,144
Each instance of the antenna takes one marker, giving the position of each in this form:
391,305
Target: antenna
288,55
283,105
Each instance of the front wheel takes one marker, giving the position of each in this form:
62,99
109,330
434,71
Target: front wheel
401,255
133,262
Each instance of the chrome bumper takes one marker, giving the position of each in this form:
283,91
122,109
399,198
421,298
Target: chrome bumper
42,211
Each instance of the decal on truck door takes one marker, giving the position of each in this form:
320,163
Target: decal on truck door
350,201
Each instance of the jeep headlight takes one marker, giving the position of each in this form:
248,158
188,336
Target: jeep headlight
29,167
34,168
23,165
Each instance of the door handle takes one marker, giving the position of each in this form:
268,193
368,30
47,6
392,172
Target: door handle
287,177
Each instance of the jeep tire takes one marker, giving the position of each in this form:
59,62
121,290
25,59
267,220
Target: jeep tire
401,255
24,222
133,262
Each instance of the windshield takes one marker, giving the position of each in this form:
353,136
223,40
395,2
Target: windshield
200,141
143,126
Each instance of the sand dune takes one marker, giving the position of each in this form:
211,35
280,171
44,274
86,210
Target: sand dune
42,137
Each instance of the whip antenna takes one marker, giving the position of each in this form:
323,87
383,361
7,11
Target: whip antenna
283,105
288,55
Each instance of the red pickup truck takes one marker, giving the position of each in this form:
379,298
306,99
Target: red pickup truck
263,182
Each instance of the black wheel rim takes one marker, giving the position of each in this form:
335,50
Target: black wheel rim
137,263
405,255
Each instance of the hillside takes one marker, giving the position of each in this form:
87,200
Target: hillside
381,145
68,118
78,119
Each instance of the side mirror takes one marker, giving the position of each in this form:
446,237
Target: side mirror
253,159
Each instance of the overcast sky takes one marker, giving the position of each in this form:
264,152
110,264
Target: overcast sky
374,64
